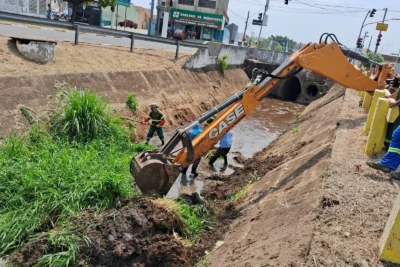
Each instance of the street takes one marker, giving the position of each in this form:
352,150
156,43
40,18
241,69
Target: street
64,35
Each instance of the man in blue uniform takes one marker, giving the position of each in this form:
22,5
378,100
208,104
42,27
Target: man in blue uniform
225,144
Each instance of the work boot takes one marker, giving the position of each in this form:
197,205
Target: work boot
395,175
147,143
377,165
225,160
195,174
162,143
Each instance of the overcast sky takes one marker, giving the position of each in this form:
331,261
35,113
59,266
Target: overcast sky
305,20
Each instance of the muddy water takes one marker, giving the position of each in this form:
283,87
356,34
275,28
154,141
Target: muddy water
251,135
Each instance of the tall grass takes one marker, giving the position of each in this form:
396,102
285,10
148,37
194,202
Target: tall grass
83,117
45,178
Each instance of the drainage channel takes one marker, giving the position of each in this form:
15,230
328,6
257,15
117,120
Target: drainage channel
250,136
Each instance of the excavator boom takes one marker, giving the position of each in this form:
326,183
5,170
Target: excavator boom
155,172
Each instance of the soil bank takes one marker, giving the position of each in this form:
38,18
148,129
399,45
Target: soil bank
316,202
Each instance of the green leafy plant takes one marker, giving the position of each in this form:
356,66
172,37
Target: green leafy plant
83,117
295,129
132,102
223,64
374,57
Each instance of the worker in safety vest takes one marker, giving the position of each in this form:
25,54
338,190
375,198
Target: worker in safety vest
157,122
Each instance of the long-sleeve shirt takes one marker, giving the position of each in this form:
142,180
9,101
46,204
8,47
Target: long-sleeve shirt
226,140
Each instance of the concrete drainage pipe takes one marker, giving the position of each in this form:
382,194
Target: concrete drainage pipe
290,89
311,91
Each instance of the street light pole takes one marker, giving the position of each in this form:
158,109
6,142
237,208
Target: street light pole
362,26
383,21
265,12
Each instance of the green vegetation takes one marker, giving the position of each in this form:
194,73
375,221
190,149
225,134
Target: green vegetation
191,216
375,57
132,102
204,262
223,64
275,43
295,129
61,246
46,176
83,117
243,190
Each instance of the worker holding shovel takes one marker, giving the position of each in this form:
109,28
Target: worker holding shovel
157,122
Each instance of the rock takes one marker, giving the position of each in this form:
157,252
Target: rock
347,234
39,51
111,238
219,244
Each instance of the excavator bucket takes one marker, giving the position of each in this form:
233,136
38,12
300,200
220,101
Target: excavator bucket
154,173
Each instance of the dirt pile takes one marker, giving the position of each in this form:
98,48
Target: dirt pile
137,234
85,58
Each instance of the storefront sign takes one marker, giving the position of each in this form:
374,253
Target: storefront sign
197,18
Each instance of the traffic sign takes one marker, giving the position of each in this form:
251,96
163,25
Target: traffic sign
382,27
283,43
265,20
126,3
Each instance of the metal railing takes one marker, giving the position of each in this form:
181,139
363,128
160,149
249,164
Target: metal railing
78,28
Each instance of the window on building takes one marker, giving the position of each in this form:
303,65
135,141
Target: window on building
186,2
163,4
207,4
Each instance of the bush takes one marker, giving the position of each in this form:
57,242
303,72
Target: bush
223,63
83,117
132,102
375,57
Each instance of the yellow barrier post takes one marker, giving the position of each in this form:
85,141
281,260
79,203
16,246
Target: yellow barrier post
378,129
377,95
389,244
367,101
362,93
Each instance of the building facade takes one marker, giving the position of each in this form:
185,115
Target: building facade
201,19
36,8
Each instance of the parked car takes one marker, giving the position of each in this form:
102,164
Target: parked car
128,23
180,34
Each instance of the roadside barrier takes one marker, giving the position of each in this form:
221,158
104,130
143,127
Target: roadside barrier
79,28
379,117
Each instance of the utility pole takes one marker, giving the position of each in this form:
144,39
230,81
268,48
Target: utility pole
383,21
265,12
369,43
245,28
365,36
151,18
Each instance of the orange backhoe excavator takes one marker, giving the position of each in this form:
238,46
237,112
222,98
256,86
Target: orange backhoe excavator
156,171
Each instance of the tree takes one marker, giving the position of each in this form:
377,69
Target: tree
107,3
279,40
374,57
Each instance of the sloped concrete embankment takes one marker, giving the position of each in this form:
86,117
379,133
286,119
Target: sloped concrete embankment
322,206
181,94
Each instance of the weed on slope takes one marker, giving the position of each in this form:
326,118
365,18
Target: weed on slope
77,161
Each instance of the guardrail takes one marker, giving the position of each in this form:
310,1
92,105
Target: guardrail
99,30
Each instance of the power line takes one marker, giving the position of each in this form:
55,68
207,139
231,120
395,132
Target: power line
236,14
